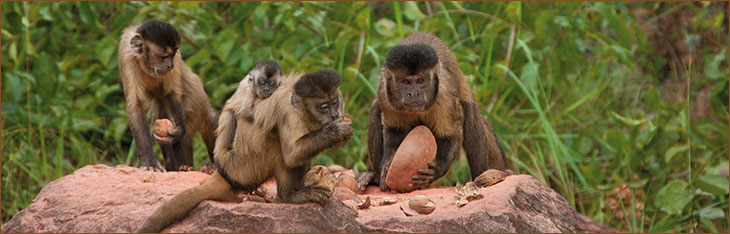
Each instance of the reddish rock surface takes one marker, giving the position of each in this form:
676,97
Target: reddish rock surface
99,198
416,150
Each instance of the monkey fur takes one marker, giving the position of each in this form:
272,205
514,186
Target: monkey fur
257,85
155,78
299,121
421,84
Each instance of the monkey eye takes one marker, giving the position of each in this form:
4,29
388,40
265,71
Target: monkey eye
420,80
405,81
323,106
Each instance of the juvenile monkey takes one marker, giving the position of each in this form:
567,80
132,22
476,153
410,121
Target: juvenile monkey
155,78
421,84
299,121
258,84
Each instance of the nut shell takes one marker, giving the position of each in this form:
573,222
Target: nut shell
348,182
421,204
490,177
346,118
161,127
417,149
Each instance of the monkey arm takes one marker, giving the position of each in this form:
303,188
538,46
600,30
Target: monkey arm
173,108
446,150
298,150
480,143
140,131
226,132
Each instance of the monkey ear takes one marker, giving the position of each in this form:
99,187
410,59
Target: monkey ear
136,43
296,101
388,74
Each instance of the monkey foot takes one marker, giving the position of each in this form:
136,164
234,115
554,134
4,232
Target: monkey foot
208,168
185,168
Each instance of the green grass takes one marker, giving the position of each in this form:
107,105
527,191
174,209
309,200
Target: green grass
629,124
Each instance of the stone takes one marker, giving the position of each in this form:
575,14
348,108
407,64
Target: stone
99,198
347,181
417,149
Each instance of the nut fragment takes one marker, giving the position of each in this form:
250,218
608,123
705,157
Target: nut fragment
362,204
466,193
421,204
320,175
490,177
162,126
346,118
388,201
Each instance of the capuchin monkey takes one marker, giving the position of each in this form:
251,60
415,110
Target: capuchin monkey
155,78
297,122
421,84
258,84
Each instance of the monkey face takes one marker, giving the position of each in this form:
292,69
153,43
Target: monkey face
324,109
262,85
412,92
159,59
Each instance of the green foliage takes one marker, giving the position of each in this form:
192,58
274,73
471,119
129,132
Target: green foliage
587,97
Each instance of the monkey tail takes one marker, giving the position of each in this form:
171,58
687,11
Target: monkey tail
215,188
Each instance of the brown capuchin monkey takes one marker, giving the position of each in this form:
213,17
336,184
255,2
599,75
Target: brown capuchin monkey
155,78
297,122
421,84
258,84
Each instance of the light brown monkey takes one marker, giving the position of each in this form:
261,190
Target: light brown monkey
155,78
299,121
421,84
258,84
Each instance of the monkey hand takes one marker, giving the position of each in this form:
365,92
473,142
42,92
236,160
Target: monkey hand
363,180
173,135
381,180
425,176
151,165
340,131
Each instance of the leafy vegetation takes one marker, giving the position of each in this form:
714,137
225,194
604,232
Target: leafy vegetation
620,107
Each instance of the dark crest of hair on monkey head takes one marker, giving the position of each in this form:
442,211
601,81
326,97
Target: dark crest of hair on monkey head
414,57
160,33
317,84
270,67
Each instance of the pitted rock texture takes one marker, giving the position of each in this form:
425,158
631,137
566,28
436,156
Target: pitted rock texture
99,198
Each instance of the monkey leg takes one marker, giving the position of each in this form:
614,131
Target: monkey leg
392,138
215,188
209,137
290,187
179,155
480,143
208,132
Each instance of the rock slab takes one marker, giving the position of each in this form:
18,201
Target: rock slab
99,198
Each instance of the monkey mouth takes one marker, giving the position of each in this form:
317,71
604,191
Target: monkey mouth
162,72
265,94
